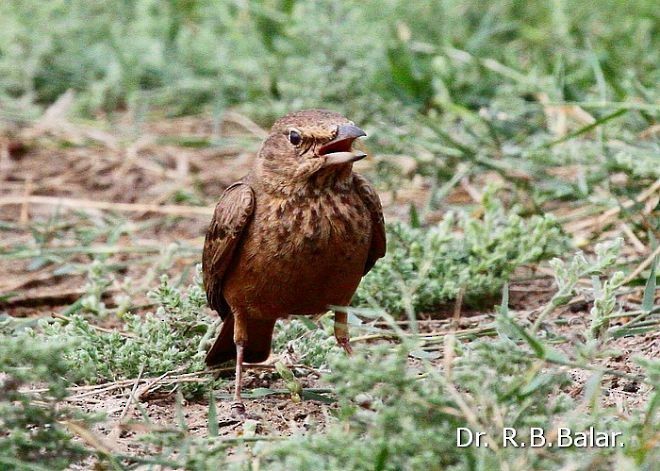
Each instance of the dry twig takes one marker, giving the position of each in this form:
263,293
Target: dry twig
175,210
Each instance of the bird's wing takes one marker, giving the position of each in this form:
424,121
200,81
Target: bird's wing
371,199
231,216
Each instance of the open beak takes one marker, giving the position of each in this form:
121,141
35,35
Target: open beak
339,150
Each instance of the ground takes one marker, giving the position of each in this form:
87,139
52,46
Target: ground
63,184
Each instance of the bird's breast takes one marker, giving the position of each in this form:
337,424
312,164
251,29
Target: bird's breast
302,254
312,221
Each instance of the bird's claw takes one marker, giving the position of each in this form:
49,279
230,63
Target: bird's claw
346,345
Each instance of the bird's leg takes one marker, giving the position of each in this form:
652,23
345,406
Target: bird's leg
341,331
240,338
237,407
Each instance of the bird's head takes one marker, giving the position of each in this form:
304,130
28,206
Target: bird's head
307,143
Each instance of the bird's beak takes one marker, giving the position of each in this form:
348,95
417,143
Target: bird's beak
339,151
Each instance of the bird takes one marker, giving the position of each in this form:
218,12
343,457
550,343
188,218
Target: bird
293,237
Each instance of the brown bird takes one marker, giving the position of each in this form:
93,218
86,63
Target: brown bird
294,236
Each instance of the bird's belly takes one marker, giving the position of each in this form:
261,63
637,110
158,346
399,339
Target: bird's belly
300,271
310,284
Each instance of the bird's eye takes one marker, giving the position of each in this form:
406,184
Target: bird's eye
294,137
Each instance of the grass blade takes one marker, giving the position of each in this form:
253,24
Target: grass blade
650,288
586,128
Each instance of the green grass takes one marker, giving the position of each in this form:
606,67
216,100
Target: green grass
32,427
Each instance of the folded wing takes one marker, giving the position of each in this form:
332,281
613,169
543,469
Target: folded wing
372,201
232,214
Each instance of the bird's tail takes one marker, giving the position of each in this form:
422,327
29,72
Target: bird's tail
257,347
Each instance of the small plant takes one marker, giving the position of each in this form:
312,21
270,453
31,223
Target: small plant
98,280
568,274
604,304
426,267
310,343
153,344
33,424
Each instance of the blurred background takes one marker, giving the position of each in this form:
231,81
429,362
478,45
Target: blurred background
384,63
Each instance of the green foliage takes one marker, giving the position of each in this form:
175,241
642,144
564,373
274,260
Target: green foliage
408,420
310,343
98,281
641,163
568,273
605,303
167,340
426,267
278,53
31,423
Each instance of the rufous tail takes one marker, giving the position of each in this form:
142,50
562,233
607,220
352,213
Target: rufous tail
257,347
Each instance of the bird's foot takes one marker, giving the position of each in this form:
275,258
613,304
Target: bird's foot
344,343
238,411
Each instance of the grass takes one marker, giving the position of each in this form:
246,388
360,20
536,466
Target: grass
515,148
